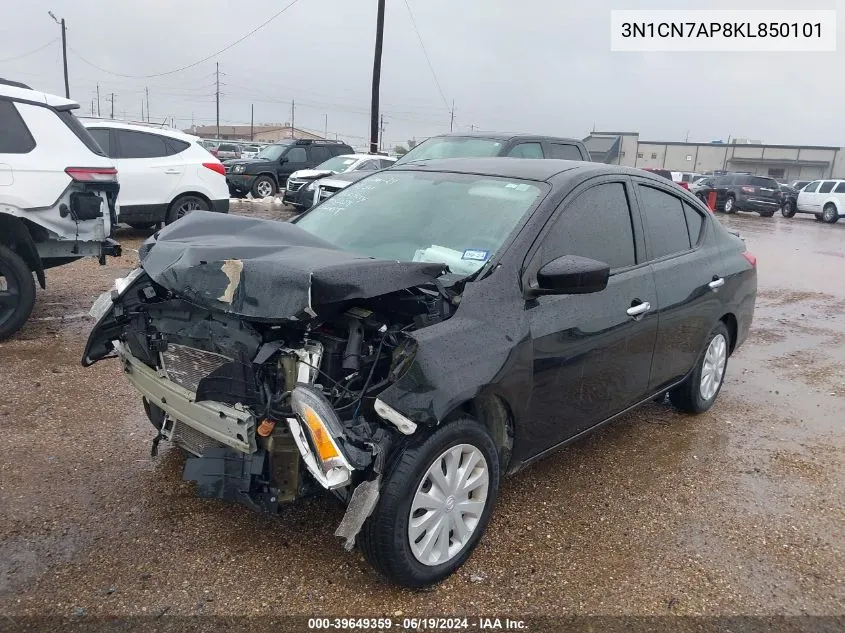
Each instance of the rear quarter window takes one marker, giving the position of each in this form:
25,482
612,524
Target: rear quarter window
15,137
175,145
840,188
79,130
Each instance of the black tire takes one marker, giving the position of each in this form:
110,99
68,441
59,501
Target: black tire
384,538
687,396
730,205
17,293
830,214
183,205
265,180
766,214
788,209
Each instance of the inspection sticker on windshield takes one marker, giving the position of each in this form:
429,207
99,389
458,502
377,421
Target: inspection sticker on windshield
476,255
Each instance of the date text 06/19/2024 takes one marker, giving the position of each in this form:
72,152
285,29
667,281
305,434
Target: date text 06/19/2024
418,624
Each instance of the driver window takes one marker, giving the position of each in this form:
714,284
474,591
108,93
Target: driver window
597,224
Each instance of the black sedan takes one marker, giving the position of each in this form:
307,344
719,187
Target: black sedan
421,333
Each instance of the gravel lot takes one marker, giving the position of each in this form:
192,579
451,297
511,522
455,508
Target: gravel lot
738,511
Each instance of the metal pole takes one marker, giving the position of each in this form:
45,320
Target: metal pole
452,119
217,93
98,100
325,126
292,117
374,107
112,105
251,121
147,90
64,58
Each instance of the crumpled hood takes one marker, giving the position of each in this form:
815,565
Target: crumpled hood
305,174
268,270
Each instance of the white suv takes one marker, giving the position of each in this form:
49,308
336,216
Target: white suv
823,198
164,173
57,196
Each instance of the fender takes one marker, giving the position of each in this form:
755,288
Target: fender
13,233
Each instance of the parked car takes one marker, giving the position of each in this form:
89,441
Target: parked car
823,198
299,191
210,145
701,187
421,333
164,174
330,185
481,144
746,192
674,176
228,151
249,151
268,172
789,197
57,196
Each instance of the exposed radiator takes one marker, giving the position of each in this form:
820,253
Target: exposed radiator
186,366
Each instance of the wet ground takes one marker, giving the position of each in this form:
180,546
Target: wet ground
738,511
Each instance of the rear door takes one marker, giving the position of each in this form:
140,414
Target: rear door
148,170
822,195
807,197
319,154
687,275
591,355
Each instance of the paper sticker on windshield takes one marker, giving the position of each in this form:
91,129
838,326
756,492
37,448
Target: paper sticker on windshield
476,255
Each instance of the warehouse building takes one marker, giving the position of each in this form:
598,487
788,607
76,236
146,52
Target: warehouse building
260,133
783,162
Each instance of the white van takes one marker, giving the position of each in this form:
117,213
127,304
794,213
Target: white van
823,198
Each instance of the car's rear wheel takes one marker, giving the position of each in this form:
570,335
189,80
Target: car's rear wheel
700,389
730,205
17,292
263,187
183,205
829,214
788,209
434,506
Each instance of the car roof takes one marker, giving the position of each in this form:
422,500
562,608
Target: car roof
22,92
503,136
363,156
121,125
539,169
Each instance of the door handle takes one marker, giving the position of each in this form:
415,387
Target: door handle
717,283
175,172
639,309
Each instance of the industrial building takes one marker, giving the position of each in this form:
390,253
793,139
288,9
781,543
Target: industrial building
260,133
783,162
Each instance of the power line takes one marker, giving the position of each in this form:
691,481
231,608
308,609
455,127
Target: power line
196,63
430,67
40,48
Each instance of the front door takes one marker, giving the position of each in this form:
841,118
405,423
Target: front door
591,352
294,159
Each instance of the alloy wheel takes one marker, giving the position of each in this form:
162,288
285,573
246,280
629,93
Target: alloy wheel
713,369
188,205
448,504
264,189
829,213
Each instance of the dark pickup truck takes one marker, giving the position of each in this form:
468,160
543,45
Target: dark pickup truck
488,144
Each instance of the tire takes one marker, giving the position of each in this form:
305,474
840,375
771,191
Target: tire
766,214
829,214
730,205
183,205
385,538
688,396
17,292
788,209
264,187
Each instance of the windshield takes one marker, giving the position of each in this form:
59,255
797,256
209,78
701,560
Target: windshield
456,219
453,147
337,164
272,152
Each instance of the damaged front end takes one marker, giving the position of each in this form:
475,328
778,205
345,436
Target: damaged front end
263,355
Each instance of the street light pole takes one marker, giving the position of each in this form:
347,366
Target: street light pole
374,107
64,49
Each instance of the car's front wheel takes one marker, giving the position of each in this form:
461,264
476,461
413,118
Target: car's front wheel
263,187
730,205
434,505
699,391
788,209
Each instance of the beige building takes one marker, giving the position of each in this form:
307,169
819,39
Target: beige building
783,162
261,133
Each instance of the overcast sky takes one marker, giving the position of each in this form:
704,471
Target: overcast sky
528,65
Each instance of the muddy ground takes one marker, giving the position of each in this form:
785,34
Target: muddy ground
738,511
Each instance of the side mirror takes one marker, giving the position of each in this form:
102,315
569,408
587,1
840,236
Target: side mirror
571,275
283,159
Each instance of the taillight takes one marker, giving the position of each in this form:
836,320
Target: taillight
750,259
685,185
218,167
749,189
92,174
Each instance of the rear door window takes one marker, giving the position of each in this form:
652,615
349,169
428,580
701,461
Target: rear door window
826,186
597,224
320,154
665,222
564,151
526,150
133,144
840,188
15,137
296,155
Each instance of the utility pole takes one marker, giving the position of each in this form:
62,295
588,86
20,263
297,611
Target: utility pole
218,99
381,135
292,118
112,105
142,110
92,107
251,121
374,106
325,126
98,100
452,120
147,91
64,49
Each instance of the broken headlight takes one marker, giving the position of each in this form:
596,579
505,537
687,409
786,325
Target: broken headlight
105,300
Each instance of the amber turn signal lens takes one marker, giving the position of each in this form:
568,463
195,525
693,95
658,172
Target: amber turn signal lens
322,440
